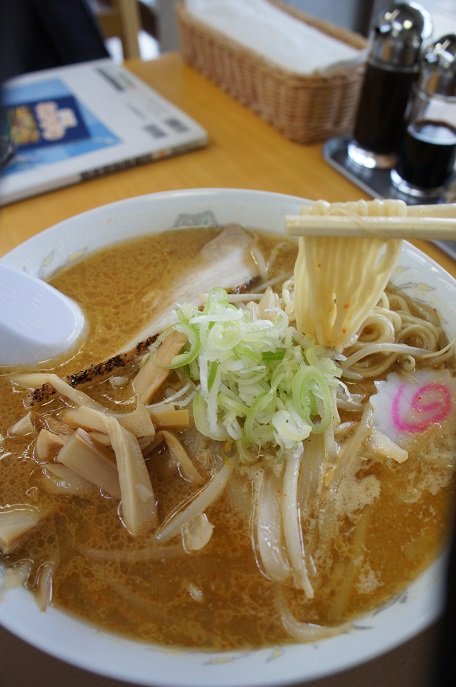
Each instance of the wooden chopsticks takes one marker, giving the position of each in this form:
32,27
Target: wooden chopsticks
420,222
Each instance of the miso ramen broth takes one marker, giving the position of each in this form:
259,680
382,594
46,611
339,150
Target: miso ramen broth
388,522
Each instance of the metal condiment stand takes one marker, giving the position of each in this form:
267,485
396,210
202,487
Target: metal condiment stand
396,42
372,172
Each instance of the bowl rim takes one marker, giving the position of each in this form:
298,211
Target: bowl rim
108,654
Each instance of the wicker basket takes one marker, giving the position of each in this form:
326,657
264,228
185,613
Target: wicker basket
303,108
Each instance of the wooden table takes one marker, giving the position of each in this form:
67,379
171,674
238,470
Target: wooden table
243,152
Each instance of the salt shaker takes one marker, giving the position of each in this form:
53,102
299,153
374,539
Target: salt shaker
396,42
428,152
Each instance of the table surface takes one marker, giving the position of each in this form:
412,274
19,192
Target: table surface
243,152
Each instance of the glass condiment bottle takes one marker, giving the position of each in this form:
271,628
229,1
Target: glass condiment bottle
428,153
396,42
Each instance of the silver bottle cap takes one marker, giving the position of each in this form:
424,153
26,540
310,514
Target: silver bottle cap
399,34
438,67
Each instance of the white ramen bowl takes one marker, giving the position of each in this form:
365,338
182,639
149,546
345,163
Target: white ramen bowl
81,644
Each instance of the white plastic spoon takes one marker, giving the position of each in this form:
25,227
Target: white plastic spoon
37,322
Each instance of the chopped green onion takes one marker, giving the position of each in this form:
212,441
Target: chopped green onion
259,381
192,346
213,367
273,355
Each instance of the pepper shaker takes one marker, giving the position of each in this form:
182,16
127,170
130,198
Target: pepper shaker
396,42
428,153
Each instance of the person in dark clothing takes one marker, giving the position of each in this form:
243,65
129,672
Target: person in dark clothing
39,34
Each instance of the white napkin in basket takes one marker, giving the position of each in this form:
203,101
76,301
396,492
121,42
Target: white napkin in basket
275,35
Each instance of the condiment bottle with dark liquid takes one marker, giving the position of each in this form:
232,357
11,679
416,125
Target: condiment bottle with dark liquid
428,152
392,69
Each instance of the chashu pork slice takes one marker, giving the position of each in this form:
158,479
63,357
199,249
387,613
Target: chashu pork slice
226,261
